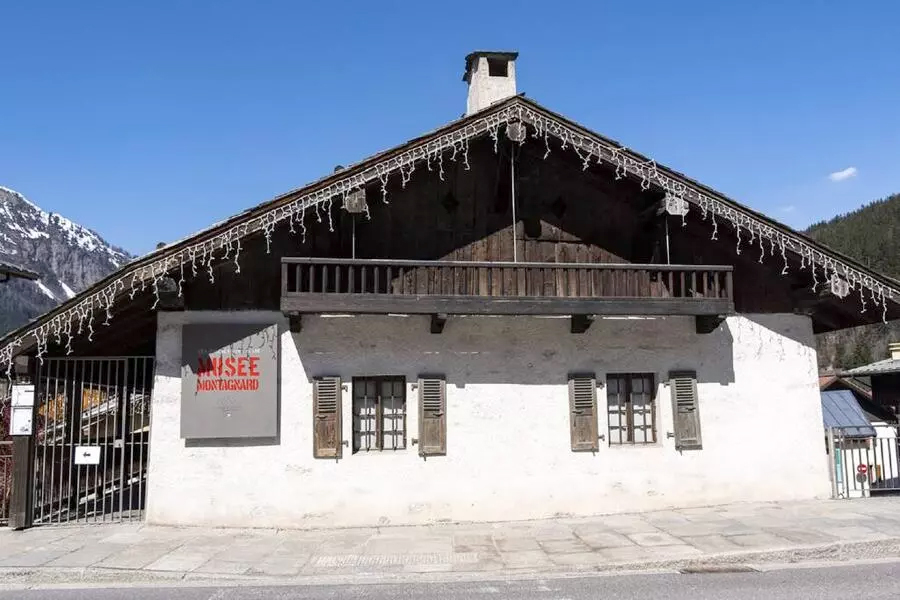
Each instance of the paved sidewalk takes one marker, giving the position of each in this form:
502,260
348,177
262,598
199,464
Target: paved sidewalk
691,538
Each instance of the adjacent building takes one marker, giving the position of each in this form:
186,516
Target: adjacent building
885,379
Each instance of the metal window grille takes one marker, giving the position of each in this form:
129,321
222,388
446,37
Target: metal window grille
631,403
379,413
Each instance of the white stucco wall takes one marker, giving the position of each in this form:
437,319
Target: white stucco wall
508,423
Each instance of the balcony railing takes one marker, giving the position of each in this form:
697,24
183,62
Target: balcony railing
412,286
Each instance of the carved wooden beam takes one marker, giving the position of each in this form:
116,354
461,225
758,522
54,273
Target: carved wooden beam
438,320
169,299
295,322
708,323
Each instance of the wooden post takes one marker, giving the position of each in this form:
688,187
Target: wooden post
20,501
20,495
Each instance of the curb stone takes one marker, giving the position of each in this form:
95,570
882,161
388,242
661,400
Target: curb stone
58,577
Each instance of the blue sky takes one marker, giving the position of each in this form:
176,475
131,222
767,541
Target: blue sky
148,121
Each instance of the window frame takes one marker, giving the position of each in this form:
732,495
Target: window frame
627,430
355,401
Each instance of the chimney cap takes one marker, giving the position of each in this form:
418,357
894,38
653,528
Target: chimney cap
472,57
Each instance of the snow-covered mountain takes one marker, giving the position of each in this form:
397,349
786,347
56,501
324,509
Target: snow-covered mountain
67,256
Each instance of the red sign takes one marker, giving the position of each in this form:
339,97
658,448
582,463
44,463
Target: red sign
234,373
862,469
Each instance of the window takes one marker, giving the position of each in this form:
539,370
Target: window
379,413
631,401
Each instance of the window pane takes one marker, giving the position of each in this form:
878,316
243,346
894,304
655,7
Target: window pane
643,409
615,409
637,384
630,400
615,425
364,414
612,385
393,424
374,396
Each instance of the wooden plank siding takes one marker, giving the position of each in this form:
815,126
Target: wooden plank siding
373,285
564,216
502,279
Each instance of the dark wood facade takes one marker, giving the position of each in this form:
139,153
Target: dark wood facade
564,215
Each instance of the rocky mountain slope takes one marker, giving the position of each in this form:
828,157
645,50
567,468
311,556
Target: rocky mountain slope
67,256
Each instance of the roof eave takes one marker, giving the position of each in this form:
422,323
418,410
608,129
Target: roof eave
884,279
367,164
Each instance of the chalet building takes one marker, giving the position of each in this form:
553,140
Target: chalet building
509,317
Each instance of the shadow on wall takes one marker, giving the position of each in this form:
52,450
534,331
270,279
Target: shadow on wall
798,329
510,350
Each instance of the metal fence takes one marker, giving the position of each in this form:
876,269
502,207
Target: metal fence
6,469
92,428
865,461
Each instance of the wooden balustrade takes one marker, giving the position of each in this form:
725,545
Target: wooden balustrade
364,285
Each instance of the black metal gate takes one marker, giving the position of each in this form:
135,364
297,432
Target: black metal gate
5,477
92,430
6,466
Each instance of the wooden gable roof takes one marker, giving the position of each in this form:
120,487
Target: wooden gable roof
222,241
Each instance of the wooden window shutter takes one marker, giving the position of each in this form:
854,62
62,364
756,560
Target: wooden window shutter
685,410
583,409
432,416
327,392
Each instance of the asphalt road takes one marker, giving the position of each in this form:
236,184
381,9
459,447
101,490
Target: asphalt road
857,582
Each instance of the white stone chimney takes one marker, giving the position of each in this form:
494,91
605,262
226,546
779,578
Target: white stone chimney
894,350
491,77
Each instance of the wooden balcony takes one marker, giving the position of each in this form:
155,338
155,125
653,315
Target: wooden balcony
338,285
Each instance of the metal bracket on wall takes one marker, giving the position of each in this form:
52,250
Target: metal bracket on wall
708,323
581,323
295,322
437,323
